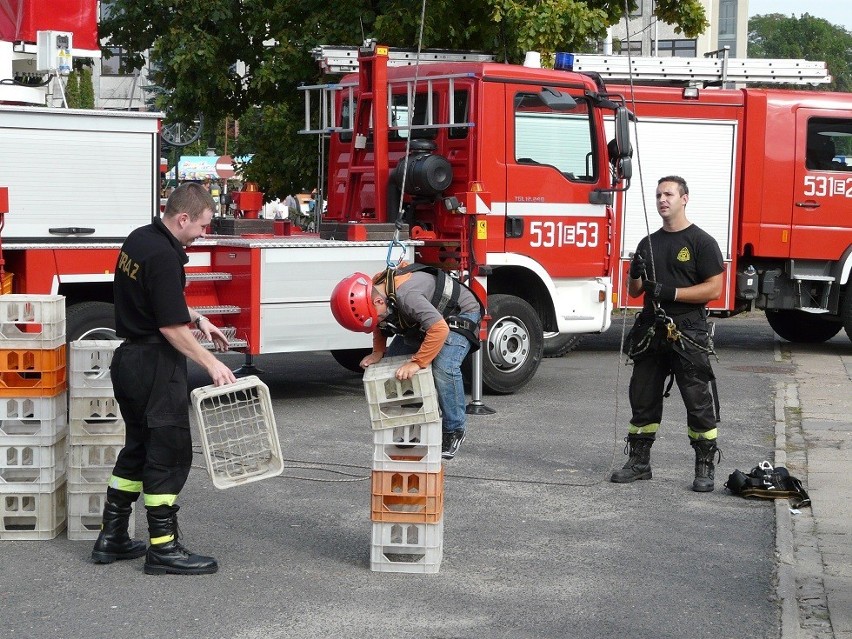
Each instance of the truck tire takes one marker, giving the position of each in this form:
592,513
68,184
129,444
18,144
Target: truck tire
559,344
514,347
846,311
90,320
805,328
350,358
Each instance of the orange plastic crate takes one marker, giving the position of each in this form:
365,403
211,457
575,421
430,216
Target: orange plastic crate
32,384
34,359
395,482
408,509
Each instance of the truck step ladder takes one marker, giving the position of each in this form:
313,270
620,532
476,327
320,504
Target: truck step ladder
720,69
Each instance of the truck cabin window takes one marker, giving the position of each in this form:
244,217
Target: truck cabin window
561,139
401,116
829,145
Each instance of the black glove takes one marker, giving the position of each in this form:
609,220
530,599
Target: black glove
637,266
659,292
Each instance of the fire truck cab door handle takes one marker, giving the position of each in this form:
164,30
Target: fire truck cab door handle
72,230
810,204
514,227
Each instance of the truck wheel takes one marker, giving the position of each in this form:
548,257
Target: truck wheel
559,344
90,320
514,346
805,328
350,358
846,311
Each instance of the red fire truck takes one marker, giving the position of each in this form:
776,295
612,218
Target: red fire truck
551,237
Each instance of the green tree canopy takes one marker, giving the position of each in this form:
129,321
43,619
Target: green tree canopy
200,48
778,36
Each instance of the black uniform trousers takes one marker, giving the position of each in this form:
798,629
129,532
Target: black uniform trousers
150,383
692,372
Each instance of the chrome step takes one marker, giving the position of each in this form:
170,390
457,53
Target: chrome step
223,309
208,277
230,334
816,310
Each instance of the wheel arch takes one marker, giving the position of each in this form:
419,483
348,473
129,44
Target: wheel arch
530,282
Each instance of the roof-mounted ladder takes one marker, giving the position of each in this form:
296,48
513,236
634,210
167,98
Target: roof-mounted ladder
335,59
705,70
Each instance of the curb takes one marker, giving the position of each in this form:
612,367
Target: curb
786,586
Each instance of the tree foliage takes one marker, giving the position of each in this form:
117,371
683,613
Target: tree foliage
778,36
196,46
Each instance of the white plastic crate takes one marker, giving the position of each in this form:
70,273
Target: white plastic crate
91,464
393,402
95,420
32,516
411,548
32,321
29,468
85,514
101,408
41,421
89,367
238,432
414,448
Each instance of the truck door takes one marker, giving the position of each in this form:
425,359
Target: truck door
551,170
822,192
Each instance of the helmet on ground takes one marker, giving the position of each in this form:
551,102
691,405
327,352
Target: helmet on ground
352,303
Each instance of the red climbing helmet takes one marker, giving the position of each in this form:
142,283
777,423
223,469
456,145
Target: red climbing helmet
352,303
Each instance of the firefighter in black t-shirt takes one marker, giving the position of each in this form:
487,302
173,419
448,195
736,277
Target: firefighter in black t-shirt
679,269
149,379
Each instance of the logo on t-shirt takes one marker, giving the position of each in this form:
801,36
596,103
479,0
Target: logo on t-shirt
683,255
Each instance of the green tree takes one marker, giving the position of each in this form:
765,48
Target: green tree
779,36
196,45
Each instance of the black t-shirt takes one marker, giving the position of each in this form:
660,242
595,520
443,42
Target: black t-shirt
149,282
681,258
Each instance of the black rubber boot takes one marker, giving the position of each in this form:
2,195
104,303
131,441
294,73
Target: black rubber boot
113,542
639,464
171,557
705,470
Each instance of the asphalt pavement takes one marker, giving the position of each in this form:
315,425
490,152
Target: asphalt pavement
538,544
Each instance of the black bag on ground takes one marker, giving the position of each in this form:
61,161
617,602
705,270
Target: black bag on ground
766,482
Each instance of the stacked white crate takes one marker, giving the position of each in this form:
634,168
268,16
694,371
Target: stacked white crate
407,501
96,435
33,416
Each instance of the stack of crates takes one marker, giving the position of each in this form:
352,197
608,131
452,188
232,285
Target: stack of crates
96,435
33,417
407,502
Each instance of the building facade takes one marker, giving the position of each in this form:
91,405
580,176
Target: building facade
645,35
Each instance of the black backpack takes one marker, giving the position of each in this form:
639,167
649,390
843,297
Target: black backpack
766,482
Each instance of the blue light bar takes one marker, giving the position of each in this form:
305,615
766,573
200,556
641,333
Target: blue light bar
564,62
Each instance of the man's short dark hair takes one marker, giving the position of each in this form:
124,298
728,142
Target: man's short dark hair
681,183
190,198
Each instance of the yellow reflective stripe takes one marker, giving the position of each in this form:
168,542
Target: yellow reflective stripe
162,540
710,434
647,429
127,485
159,500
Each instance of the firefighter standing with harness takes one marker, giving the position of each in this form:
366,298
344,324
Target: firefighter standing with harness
671,336
435,320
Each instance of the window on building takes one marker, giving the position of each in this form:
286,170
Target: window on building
620,47
637,12
561,139
728,25
676,48
116,63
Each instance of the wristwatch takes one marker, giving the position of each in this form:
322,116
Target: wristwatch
198,321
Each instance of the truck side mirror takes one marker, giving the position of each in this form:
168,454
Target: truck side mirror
623,148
